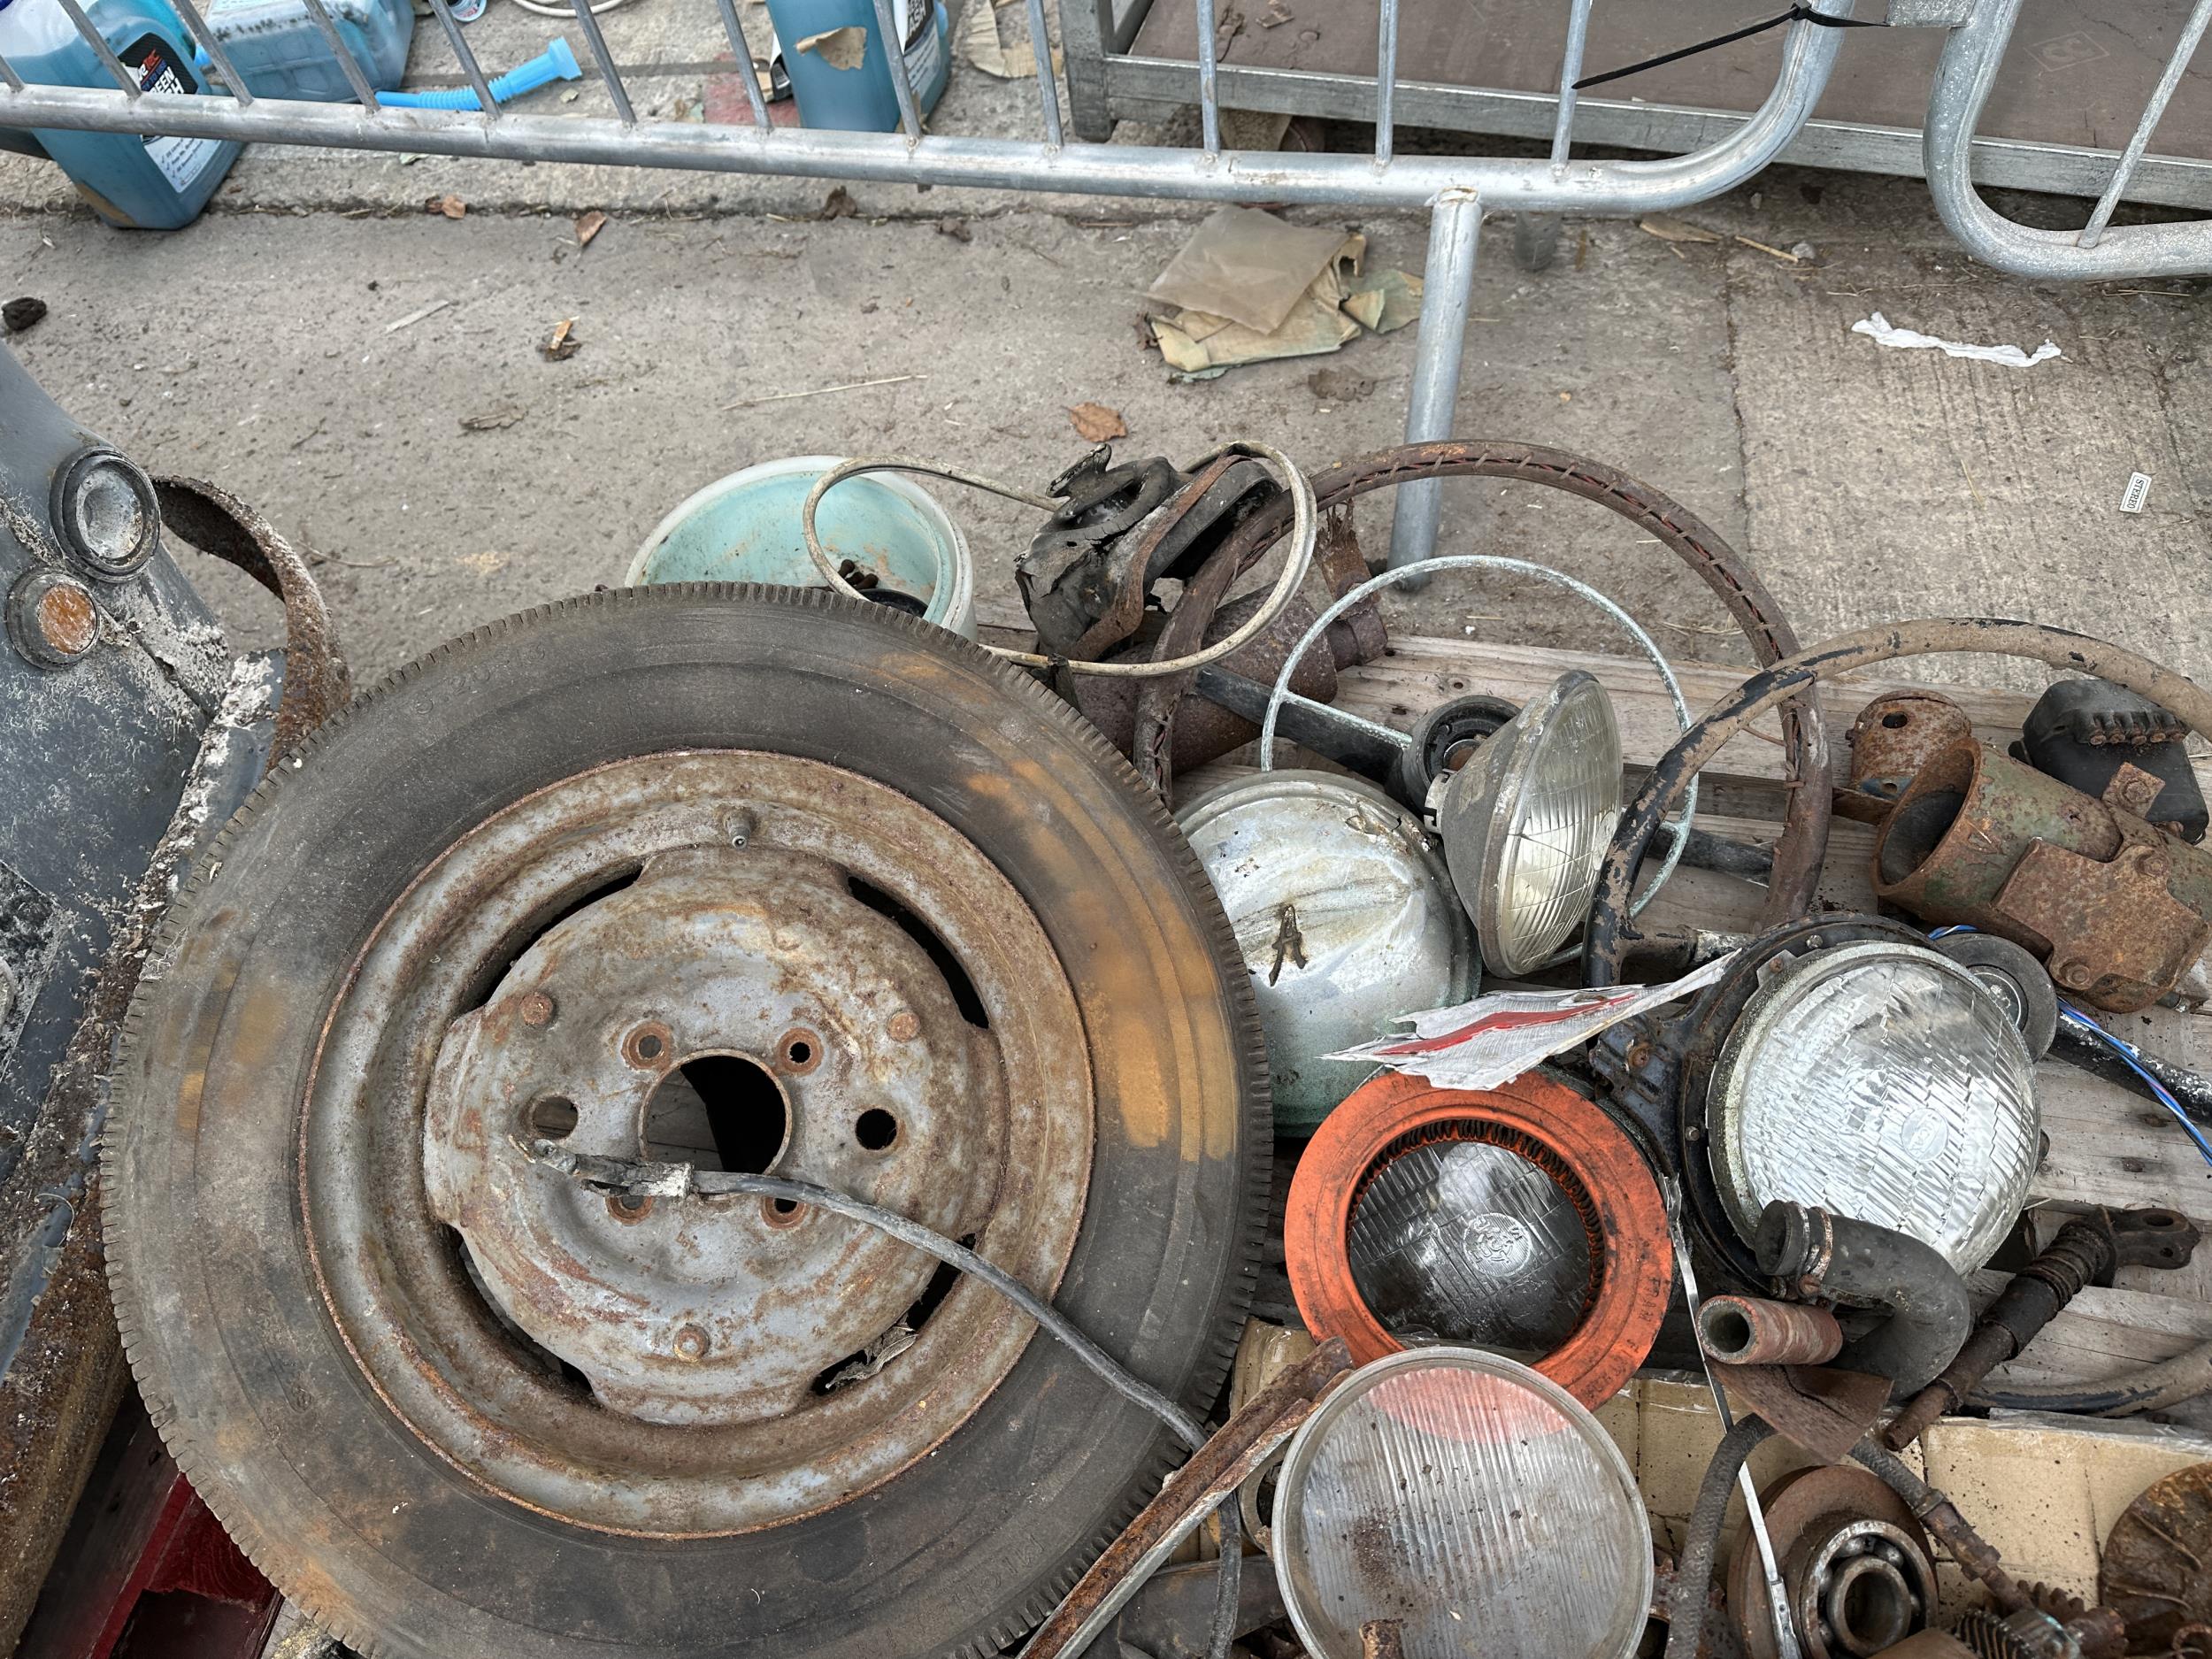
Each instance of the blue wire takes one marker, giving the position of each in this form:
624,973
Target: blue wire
2128,1054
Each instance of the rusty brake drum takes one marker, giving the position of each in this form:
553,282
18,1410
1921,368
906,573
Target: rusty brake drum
744,878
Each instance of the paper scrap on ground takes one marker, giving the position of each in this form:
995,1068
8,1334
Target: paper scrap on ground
980,45
1252,288
1495,1038
839,49
1878,328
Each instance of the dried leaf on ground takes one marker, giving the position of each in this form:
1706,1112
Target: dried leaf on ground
839,48
1095,423
493,419
589,225
451,206
1674,229
564,343
838,203
1339,386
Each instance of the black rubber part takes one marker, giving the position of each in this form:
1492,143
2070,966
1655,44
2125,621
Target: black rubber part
2038,997
333,1497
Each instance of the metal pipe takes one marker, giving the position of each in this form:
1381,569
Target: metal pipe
1753,1330
1209,81
1447,288
124,78
8,74
217,52
895,63
1047,83
487,105
1387,80
743,48
1570,72
612,76
1864,1265
2124,171
348,65
1964,75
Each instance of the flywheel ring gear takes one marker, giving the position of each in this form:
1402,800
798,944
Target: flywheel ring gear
260,1018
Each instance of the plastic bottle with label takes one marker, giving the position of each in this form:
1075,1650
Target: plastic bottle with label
142,183
861,98
282,54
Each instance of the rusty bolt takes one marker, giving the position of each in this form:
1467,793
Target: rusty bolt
1639,1055
692,1343
53,618
2073,973
904,1027
536,1009
628,1206
646,1045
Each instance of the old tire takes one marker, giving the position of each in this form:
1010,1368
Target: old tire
219,1291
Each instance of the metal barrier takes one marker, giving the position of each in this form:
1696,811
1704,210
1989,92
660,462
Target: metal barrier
1456,189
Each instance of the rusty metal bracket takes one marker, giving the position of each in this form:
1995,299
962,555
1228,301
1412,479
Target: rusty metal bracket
317,682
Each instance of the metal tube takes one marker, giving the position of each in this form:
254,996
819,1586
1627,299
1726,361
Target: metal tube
743,48
1386,79
217,53
604,58
8,74
2185,49
1209,81
348,65
124,78
487,103
1753,1330
1570,72
1047,83
1964,75
895,63
1446,283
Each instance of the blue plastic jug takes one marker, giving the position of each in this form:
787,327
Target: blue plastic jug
862,99
144,183
282,54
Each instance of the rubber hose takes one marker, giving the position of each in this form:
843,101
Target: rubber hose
1804,843
1692,1590
1865,1265
2168,1383
556,62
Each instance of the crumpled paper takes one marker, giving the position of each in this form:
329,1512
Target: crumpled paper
1252,288
1495,1038
1878,328
980,45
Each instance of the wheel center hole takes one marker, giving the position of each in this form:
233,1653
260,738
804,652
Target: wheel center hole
717,1111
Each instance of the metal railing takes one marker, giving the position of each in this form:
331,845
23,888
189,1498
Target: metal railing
1456,189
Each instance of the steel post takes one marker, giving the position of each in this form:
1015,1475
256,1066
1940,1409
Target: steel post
1446,283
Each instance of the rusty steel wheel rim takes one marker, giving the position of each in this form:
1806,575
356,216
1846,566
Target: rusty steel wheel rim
1594,1162
549,976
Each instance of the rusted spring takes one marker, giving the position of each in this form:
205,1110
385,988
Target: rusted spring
1608,935
1804,840
316,684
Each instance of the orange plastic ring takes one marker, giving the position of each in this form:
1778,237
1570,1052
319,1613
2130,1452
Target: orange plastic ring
1577,1143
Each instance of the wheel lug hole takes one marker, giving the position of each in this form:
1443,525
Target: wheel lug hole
549,1118
781,1212
648,1045
692,1343
875,1129
799,1051
629,1206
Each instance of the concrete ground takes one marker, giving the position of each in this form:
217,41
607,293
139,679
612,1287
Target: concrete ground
445,473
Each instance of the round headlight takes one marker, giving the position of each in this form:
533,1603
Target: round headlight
1468,1501
1344,916
105,510
1882,1081
1526,822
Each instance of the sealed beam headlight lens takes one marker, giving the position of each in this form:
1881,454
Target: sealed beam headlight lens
1881,1081
1526,822
1470,1501
105,510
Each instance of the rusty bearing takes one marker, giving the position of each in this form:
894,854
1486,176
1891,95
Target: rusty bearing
1855,1565
1561,1214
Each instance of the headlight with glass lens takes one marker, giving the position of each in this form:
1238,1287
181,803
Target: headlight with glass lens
1526,822
1880,1080
105,510
1471,1501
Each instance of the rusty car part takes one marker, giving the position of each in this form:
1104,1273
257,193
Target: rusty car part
1701,1535
1821,1410
2027,1633
1856,1566
1717,1638
1766,630
2090,735
1928,1644
1892,738
1756,1330
2087,1251
1815,1252
2154,1569
1214,1471
1783,681
2118,909
626,758
1592,1176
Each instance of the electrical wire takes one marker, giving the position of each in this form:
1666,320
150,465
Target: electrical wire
1305,521
2076,1021
1679,828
